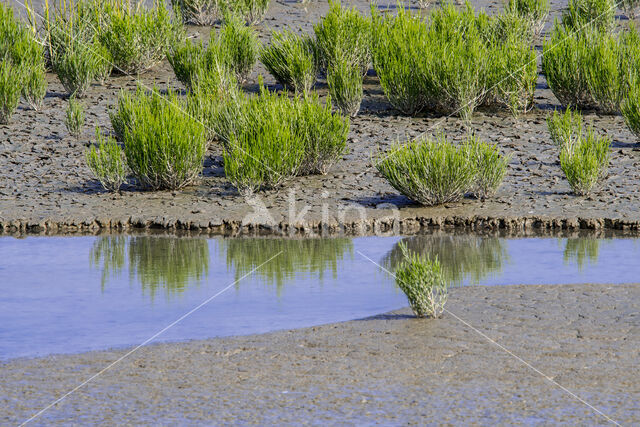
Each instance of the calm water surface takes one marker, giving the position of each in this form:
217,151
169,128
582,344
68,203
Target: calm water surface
73,294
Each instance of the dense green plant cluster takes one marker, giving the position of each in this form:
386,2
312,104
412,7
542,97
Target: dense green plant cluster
106,162
344,34
234,47
22,72
345,86
209,12
433,172
584,156
137,37
590,69
590,14
453,63
164,146
292,60
631,108
533,12
271,138
74,117
422,281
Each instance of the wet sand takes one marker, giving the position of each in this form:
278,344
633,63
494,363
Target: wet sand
45,185
389,369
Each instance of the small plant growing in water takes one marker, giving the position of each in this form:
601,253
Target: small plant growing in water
74,118
292,60
345,86
424,284
106,162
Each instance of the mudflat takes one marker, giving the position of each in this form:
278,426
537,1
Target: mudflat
45,185
581,345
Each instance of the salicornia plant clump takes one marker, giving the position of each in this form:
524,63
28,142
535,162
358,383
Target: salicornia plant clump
422,281
452,63
491,168
534,12
430,172
106,162
252,11
585,162
10,77
590,14
18,45
137,37
565,128
271,138
164,146
344,34
76,67
631,108
345,86
587,69
74,118
291,59
238,46
199,12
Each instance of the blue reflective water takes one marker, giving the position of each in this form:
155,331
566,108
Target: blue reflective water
73,294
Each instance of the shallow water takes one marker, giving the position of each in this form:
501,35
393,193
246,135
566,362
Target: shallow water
73,294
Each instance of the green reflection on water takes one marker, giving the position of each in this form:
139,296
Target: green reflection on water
581,249
169,263
470,257
296,256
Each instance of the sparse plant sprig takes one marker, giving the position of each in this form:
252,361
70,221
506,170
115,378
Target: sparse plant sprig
631,108
590,14
430,172
74,118
164,147
291,59
10,78
345,86
585,162
423,282
106,162
341,32
35,85
491,168
253,11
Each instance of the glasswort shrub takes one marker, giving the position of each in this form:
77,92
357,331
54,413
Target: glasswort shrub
106,162
291,59
590,14
164,147
344,32
10,77
430,172
238,46
74,118
422,281
534,12
565,129
585,162
631,108
345,86
491,168
199,12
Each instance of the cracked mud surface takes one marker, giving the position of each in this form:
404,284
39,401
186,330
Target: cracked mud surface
388,369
